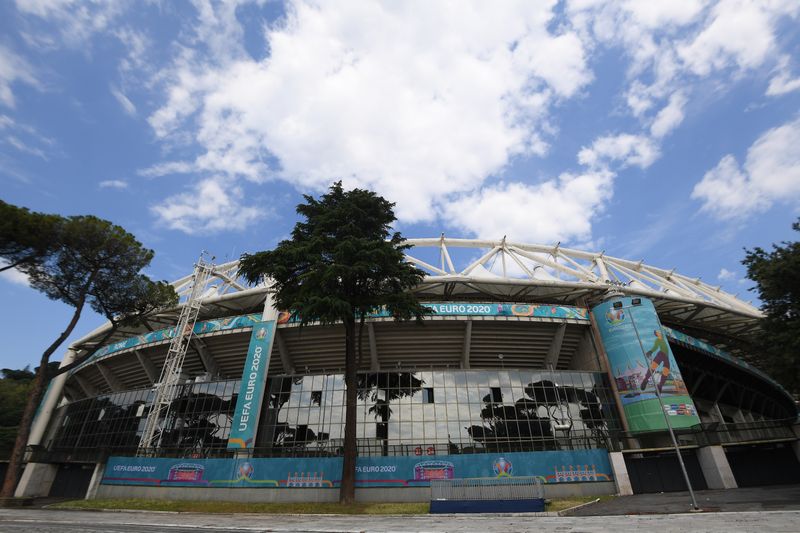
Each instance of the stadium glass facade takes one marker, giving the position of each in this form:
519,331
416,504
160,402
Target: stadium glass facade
400,413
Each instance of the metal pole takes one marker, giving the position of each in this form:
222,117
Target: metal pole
664,412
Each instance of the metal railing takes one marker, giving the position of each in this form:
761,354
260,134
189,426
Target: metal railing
714,434
503,488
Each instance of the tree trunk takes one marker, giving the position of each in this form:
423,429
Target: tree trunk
347,490
15,463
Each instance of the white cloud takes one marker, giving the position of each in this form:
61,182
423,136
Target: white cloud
168,167
113,184
625,148
74,21
24,147
557,210
124,101
214,205
416,107
726,275
783,82
14,69
771,173
740,33
669,117
13,275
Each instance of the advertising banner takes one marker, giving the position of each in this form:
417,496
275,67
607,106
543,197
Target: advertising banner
400,471
640,359
251,391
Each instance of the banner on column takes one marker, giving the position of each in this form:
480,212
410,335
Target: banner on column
640,360
251,391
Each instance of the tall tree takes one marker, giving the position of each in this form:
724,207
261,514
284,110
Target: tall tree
26,236
94,262
777,277
342,262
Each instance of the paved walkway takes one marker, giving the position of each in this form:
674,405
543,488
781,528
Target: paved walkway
51,521
773,498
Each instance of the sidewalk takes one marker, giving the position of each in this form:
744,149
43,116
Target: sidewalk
772,498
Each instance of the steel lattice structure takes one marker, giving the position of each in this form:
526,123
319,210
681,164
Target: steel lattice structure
474,269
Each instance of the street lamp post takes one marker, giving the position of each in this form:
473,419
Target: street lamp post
664,412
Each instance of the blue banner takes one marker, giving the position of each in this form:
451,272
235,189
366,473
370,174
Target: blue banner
251,391
481,309
399,471
640,360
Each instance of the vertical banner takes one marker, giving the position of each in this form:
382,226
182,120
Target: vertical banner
640,359
251,391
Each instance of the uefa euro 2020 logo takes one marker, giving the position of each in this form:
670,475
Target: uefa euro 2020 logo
615,316
502,467
246,471
261,333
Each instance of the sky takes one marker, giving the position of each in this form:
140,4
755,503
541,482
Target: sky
663,131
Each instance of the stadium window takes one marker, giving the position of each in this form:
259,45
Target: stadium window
427,395
497,395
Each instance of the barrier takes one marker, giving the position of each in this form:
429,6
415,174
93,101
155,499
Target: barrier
487,495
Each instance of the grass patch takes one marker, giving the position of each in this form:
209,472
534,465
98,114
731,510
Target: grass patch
559,504
187,506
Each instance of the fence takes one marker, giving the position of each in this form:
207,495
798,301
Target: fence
487,495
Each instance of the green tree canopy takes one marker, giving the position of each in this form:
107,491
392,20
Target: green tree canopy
342,261
90,261
777,276
26,236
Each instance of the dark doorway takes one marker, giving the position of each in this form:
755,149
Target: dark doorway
763,464
72,481
661,472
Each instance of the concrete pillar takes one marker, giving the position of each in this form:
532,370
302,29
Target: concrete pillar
97,477
621,477
36,480
51,399
716,468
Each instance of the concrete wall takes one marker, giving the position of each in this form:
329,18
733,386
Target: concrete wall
36,480
716,468
388,494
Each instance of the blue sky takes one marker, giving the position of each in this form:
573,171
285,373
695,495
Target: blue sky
666,131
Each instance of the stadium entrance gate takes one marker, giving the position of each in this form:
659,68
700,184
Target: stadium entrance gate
660,471
72,480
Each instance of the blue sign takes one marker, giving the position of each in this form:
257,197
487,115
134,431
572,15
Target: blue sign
251,391
400,471
640,360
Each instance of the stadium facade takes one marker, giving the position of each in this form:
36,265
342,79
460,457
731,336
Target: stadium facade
537,361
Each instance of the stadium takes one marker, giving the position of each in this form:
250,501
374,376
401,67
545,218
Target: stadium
542,361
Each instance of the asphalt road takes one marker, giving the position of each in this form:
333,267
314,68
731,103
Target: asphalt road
27,520
772,498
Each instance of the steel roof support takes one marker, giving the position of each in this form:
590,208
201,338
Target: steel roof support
283,352
108,375
551,361
88,389
467,344
374,363
148,366
206,357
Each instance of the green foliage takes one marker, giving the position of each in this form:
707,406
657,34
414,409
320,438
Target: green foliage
94,254
86,260
15,387
777,276
341,262
26,236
